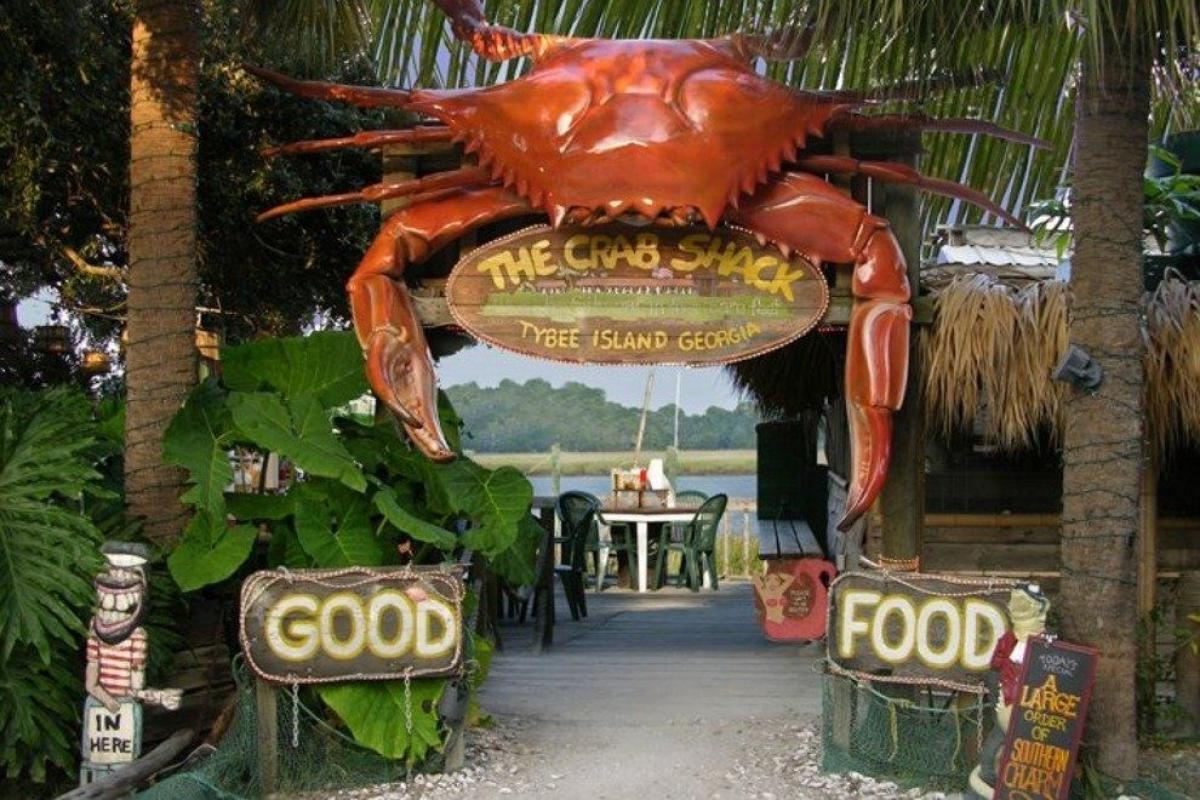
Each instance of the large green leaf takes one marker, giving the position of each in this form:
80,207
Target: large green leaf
300,430
516,562
407,522
495,500
210,551
327,365
247,507
198,439
341,538
375,713
285,549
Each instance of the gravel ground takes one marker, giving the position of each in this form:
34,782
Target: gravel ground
770,760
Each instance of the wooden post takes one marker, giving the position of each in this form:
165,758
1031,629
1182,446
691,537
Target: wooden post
1148,536
543,629
726,546
268,736
746,571
555,469
902,502
1187,662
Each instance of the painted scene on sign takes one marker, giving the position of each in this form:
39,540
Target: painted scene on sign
621,293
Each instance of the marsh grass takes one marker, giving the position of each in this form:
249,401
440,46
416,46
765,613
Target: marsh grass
691,462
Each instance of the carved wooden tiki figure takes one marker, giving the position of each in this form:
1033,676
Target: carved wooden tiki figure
116,664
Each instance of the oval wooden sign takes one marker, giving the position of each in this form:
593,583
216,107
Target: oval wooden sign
623,294
359,623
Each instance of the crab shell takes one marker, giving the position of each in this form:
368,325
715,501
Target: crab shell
632,125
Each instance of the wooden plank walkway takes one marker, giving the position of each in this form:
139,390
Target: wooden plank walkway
647,695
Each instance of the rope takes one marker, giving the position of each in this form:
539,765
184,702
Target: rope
957,736
865,679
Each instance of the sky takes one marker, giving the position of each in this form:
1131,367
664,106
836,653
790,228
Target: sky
487,366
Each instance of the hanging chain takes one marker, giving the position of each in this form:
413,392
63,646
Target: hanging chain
295,715
408,701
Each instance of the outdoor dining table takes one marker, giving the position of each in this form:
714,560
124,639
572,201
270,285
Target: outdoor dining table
641,519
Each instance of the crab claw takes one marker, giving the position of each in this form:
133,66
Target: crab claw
876,375
871,452
400,371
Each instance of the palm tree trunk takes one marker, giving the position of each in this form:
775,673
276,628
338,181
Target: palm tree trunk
1102,449
160,357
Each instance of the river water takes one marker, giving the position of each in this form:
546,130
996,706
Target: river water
741,487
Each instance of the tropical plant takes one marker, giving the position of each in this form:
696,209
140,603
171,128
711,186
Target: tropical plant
1169,201
49,554
364,493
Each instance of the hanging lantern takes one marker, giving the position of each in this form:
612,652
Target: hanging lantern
209,344
51,339
95,362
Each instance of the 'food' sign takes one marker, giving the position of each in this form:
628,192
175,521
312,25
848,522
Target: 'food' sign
916,626
317,626
621,294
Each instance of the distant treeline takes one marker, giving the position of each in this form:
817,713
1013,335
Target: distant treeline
523,417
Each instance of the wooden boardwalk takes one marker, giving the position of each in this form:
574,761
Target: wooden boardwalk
647,695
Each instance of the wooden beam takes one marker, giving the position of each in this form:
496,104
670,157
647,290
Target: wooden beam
1147,568
902,502
1187,662
266,715
124,780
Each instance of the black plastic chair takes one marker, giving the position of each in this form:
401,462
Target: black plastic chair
577,513
697,548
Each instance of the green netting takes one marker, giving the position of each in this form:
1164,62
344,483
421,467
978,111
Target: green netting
913,735
931,738
322,758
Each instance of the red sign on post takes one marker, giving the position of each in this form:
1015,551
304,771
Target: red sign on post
1047,721
793,597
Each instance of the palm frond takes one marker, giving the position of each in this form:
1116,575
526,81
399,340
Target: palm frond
1034,45
46,547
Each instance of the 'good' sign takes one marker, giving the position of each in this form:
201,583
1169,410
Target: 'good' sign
317,626
923,627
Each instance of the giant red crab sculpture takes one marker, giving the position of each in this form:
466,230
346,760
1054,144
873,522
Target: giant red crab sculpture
679,132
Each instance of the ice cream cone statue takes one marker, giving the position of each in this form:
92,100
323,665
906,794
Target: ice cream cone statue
1027,609
116,665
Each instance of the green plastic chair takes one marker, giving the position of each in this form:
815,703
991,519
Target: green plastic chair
697,548
689,497
577,513
686,498
593,547
622,540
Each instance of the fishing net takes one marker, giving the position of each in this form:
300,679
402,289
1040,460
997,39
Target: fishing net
312,755
916,736
925,737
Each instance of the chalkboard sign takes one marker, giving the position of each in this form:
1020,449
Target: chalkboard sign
1038,759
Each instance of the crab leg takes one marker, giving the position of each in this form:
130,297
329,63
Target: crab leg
493,42
364,140
849,121
901,173
363,96
377,192
399,366
803,213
